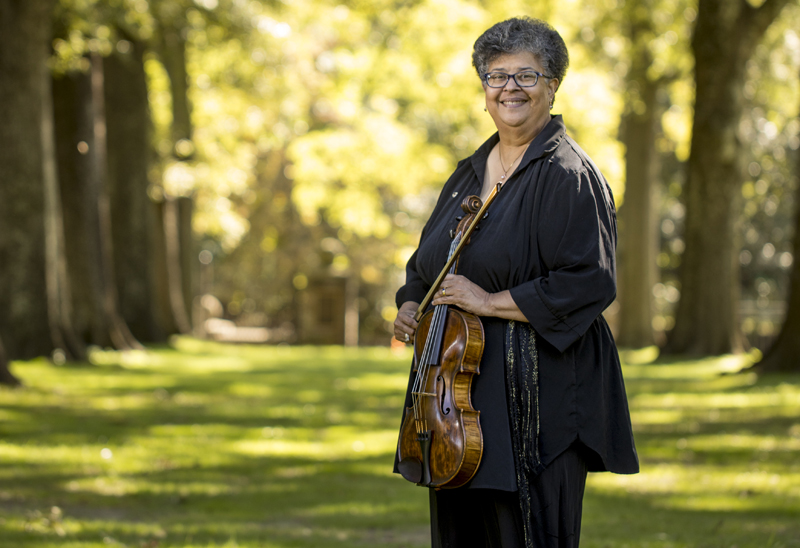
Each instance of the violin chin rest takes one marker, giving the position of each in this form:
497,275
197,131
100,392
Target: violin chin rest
410,469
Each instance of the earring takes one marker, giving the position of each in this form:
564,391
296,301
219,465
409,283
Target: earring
485,109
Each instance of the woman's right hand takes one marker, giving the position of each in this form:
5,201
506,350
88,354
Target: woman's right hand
404,325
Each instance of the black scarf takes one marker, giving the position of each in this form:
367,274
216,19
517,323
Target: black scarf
522,390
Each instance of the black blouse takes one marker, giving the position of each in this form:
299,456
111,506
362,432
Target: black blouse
549,238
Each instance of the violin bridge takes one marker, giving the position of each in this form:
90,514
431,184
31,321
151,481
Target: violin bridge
424,394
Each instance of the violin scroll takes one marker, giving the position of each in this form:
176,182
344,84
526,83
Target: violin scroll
471,204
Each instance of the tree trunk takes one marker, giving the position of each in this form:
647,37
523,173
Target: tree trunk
784,356
133,224
74,143
188,253
178,238
81,144
172,239
24,323
173,56
162,304
120,335
59,298
6,376
638,236
706,321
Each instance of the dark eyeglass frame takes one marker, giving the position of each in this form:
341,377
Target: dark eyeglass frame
514,76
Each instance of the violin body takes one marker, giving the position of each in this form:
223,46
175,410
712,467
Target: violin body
450,430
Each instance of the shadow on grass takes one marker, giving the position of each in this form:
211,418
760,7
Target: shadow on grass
212,445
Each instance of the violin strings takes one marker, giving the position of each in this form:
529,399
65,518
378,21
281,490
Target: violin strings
423,368
439,317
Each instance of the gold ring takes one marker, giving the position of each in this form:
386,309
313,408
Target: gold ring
443,293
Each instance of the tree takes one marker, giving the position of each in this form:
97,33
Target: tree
6,376
706,320
25,326
59,295
638,216
783,356
172,29
133,226
124,229
82,139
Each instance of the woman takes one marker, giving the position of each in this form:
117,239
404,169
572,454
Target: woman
539,273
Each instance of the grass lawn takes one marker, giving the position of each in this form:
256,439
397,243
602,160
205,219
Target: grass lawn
204,444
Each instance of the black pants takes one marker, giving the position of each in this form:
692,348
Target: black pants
477,518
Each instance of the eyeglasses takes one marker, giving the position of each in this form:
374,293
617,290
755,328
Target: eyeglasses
524,79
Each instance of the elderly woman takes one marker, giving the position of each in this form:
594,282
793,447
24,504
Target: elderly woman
539,274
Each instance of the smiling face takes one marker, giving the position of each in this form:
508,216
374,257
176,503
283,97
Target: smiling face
516,109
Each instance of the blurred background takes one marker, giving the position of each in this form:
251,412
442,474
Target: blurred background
259,171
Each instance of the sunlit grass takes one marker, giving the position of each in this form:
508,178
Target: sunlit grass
210,445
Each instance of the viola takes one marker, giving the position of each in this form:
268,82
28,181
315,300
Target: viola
441,443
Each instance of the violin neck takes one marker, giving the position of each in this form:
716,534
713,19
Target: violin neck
459,241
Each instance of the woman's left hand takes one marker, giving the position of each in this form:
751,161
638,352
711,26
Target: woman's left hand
459,291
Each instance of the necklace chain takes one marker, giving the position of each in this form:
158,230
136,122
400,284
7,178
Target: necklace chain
505,171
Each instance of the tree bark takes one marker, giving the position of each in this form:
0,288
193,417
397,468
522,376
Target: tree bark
173,56
6,376
638,236
74,144
120,335
81,144
188,258
133,223
706,321
178,238
784,356
59,298
162,303
172,239
24,34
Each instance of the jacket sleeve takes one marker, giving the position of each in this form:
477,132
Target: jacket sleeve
575,225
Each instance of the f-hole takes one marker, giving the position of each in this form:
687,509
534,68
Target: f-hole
443,391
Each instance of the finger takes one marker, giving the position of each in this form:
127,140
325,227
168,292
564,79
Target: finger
404,337
408,319
405,325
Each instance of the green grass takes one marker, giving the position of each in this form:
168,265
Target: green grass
206,445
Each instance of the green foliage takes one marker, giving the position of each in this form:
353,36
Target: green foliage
85,26
317,122
772,130
209,445
369,106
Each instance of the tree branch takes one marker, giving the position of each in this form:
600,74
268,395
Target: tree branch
753,22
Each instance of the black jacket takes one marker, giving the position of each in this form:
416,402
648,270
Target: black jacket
549,238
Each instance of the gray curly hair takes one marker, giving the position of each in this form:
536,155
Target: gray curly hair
522,34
